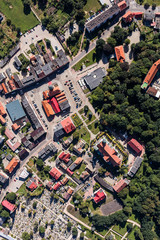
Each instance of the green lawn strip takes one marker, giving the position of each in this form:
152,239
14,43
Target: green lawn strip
37,192
119,229
86,91
88,60
22,191
90,120
94,128
84,134
14,10
76,120
71,184
31,163
79,170
76,214
33,48
92,5
81,111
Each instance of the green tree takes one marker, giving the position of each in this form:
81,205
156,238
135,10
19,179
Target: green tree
34,205
112,42
39,163
127,41
74,232
69,225
25,236
82,236
41,230
101,171
11,197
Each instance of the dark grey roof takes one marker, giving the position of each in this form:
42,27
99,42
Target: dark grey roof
23,154
48,149
58,131
62,59
17,61
73,167
14,50
9,157
3,178
135,166
18,81
31,114
15,110
64,106
38,58
37,133
94,78
102,17
103,183
149,15
28,80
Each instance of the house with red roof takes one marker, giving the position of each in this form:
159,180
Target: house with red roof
32,184
56,186
70,173
9,206
119,51
65,157
128,16
68,125
55,173
109,154
120,185
136,146
99,196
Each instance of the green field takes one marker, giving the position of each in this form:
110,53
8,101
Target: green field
92,5
13,10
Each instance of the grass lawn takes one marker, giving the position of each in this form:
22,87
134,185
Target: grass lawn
88,60
79,170
90,120
22,191
94,128
76,214
13,10
91,235
92,5
84,134
71,184
31,163
76,120
33,48
120,230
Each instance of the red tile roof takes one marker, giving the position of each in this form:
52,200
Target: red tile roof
12,165
56,186
2,120
64,157
128,16
55,173
109,154
54,105
135,145
99,196
15,126
9,134
70,173
120,185
33,186
9,206
68,125
152,72
122,5
2,110
119,53
48,108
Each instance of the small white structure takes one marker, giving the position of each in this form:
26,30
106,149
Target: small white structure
24,174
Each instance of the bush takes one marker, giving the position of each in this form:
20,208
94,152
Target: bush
11,197
74,232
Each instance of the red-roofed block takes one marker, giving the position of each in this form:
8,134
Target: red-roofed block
55,173
120,185
70,173
33,186
99,196
135,145
64,157
54,105
68,125
9,206
56,186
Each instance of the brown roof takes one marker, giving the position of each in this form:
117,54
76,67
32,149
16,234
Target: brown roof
70,191
48,108
120,185
15,126
2,120
152,72
78,160
2,110
9,134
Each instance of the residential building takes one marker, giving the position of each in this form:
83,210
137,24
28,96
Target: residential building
75,164
136,165
122,5
65,157
49,149
68,125
64,181
17,62
84,176
58,131
67,142
79,147
9,206
24,174
118,187
3,178
15,110
151,74
23,154
55,173
128,17
49,185
99,196
37,133
1,140
48,108
109,154
119,51
2,76
2,120
9,134
12,165
15,127
136,146
94,78
2,110
32,184
56,186
13,144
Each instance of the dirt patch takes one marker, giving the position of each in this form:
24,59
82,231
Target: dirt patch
111,207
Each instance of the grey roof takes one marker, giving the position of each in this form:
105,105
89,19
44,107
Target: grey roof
2,76
9,73
30,112
38,58
18,81
4,61
48,149
17,61
37,133
28,80
58,131
14,50
73,167
62,59
135,166
1,139
102,18
64,106
9,157
23,154
15,110
149,15
94,78
47,69
3,177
